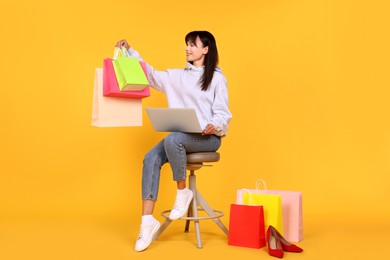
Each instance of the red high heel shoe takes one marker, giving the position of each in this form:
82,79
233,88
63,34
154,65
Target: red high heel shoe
287,246
273,242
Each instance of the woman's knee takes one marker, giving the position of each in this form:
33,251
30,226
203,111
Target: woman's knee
174,139
152,158
170,141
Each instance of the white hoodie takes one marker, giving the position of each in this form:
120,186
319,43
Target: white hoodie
182,89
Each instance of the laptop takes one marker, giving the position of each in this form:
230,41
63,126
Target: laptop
174,120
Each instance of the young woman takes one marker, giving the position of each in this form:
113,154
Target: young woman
202,86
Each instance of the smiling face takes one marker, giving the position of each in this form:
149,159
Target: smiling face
195,52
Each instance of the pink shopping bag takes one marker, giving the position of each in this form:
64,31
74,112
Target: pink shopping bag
110,83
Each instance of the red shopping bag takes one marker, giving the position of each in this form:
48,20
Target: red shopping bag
246,226
111,87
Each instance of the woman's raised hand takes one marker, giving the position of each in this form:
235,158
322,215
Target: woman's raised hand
122,43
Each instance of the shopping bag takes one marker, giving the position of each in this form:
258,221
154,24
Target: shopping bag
291,207
246,226
110,82
272,204
111,111
129,72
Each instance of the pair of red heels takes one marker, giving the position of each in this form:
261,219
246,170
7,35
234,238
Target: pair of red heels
277,244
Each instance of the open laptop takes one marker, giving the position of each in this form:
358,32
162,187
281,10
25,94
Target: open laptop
174,120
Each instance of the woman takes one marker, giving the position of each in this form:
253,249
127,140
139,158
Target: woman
202,86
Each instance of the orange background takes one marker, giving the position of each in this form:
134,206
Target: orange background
308,84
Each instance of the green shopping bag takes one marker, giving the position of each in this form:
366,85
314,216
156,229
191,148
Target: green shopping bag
128,71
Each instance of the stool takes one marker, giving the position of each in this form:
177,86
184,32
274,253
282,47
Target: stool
195,162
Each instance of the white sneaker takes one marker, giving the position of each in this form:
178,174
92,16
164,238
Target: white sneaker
181,205
146,235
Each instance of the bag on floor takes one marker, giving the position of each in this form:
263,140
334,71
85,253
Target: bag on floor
292,212
246,226
272,204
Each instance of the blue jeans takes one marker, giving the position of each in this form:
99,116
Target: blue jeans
173,149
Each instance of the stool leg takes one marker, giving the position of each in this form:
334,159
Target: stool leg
192,180
206,207
162,228
189,214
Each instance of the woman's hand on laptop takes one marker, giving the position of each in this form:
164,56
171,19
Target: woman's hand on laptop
209,130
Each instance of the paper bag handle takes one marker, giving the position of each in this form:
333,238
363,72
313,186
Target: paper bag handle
121,51
250,196
258,184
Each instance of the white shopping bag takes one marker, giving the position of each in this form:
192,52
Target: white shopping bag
113,111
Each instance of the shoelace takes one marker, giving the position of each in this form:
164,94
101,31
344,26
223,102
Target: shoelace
180,202
143,231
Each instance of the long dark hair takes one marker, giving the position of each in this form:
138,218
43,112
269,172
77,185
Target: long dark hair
211,58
